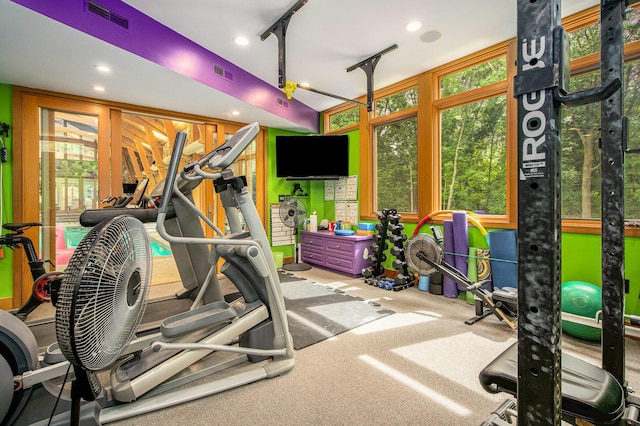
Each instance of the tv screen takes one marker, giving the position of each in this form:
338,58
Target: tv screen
310,157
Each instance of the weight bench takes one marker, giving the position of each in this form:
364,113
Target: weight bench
588,392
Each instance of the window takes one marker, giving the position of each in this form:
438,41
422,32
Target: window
397,102
581,171
464,118
472,137
343,119
473,151
480,75
396,166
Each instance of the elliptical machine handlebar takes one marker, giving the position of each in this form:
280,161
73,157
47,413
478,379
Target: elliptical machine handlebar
170,181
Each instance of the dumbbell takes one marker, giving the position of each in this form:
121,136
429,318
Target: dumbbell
398,239
396,228
367,272
379,237
399,264
398,252
395,218
402,279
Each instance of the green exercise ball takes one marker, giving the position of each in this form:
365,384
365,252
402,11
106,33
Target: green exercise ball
584,299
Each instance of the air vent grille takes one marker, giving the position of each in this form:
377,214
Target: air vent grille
221,72
218,71
105,13
282,103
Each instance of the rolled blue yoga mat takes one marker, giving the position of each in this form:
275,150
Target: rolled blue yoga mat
449,287
504,254
461,243
423,283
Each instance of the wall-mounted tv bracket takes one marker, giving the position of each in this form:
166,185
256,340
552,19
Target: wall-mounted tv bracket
279,28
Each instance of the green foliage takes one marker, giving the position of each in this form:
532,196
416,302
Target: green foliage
471,78
581,130
397,102
396,159
345,118
76,168
475,179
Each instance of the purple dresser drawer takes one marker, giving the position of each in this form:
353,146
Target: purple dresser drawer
313,255
344,254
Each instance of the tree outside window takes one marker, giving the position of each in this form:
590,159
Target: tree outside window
473,157
396,146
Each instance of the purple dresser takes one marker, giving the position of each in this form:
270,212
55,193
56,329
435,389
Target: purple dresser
344,254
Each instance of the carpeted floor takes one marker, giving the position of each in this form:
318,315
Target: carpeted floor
417,365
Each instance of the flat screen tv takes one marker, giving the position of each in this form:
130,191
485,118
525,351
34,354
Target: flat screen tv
312,157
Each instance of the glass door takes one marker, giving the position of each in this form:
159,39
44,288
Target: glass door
68,179
63,167
146,145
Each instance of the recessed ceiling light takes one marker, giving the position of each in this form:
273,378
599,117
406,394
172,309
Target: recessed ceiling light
242,41
304,84
103,68
431,36
413,26
98,88
235,112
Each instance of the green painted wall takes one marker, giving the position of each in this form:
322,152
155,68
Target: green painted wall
314,201
6,215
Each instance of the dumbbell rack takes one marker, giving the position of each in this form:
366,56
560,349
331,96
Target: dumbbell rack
375,271
389,229
404,279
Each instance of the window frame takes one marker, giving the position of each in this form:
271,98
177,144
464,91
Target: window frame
428,113
582,65
504,87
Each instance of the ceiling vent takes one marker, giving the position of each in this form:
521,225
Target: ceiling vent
282,103
105,13
221,72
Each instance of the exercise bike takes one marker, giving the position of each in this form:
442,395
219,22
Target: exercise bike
150,369
45,284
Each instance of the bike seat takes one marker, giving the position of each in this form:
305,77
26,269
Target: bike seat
19,226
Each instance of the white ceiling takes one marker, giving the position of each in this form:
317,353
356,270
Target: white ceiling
323,39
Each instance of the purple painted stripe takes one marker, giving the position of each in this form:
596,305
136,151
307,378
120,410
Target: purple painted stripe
151,40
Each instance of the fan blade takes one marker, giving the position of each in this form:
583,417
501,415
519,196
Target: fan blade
290,221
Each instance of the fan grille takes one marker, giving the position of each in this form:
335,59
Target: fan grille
429,247
103,293
292,212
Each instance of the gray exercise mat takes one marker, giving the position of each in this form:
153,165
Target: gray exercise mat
317,312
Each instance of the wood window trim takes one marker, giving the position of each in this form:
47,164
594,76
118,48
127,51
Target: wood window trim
26,107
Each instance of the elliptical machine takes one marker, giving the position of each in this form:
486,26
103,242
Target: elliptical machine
215,334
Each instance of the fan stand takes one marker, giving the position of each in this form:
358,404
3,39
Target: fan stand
296,266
